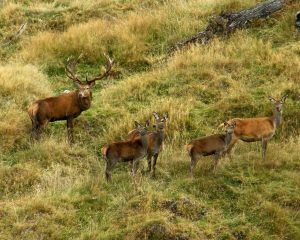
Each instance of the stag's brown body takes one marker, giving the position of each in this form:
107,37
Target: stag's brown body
62,107
66,106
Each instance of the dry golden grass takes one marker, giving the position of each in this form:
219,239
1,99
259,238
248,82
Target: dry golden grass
49,190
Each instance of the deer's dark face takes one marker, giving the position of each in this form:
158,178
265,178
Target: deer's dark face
278,103
229,127
142,130
160,121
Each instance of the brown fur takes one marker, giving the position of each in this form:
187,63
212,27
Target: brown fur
131,150
155,140
66,106
216,145
258,129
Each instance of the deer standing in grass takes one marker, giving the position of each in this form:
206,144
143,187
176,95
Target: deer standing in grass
66,106
258,129
155,140
215,145
131,150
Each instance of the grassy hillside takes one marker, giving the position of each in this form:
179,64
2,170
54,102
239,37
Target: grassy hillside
49,190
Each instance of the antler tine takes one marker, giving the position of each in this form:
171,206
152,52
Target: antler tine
70,67
108,68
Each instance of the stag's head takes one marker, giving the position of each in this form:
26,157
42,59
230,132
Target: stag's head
85,88
278,103
160,121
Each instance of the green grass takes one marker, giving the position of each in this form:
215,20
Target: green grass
49,190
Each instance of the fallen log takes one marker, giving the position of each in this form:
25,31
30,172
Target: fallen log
226,23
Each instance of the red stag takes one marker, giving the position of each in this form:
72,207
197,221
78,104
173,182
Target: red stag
216,145
66,106
258,129
131,150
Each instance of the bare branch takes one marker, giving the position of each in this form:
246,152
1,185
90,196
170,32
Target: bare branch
15,36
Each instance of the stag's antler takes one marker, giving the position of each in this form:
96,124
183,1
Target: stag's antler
109,65
70,68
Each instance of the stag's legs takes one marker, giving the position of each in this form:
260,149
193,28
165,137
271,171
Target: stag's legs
194,161
264,144
70,130
154,163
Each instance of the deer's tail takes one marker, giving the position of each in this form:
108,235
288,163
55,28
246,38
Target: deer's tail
189,148
32,112
104,150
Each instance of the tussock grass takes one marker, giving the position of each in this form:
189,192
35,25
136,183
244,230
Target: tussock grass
49,190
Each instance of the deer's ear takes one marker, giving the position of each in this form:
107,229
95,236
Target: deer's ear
147,123
272,99
166,115
155,115
92,84
283,98
136,124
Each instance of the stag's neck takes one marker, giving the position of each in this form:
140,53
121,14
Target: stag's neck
277,117
83,103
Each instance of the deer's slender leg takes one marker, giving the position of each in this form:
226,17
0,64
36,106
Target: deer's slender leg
194,161
108,168
70,130
149,158
154,163
135,166
216,161
264,144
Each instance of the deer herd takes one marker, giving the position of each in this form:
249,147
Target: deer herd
140,142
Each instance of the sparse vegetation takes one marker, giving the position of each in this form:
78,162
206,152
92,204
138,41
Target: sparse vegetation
49,190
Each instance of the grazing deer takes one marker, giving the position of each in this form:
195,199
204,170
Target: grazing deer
216,145
155,140
258,129
131,150
66,106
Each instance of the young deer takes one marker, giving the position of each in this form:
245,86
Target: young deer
258,129
131,150
155,140
216,145
66,106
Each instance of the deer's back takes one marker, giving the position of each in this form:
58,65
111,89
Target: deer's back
207,145
253,128
125,150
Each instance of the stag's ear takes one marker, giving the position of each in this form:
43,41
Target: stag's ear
155,115
272,99
166,115
92,84
283,98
